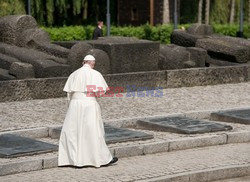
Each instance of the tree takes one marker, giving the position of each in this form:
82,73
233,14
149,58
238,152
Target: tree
207,12
220,11
11,7
166,17
200,11
248,11
231,20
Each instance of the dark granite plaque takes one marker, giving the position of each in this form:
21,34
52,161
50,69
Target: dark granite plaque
15,146
236,116
182,125
114,134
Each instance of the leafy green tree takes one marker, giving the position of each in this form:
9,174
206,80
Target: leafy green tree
11,7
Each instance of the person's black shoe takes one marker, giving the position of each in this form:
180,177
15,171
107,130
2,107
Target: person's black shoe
114,160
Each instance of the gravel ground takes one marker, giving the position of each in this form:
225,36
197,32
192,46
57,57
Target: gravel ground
47,112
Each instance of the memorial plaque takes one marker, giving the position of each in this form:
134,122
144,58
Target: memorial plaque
114,134
15,146
182,125
233,116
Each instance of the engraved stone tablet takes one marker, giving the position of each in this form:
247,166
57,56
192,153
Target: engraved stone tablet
15,146
114,134
182,125
234,116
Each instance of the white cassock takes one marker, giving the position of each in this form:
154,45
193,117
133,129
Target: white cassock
82,141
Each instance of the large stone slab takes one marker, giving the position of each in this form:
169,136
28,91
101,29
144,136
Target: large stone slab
77,54
233,116
6,61
113,134
129,55
22,70
182,38
15,146
181,125
51,49
225,49
12,26
178,57
4,75
44,65
200,29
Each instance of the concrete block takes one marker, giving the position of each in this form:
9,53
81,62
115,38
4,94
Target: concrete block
50,162
201,141
55,132
128,151
206,76
23,166
238,137
152,148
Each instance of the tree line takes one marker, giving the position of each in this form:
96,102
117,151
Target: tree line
80,12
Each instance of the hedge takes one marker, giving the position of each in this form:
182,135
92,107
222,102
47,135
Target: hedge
155,33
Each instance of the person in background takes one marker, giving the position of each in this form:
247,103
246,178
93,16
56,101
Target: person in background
98,30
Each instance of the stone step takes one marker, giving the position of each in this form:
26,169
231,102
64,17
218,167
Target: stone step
126,149
193,165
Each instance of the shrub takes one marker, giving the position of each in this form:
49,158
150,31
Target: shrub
159,33
67,33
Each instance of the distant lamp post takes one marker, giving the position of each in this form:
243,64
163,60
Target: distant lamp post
29,7
175,15
108,17
240,32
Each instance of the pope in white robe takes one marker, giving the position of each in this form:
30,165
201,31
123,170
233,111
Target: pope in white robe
82,140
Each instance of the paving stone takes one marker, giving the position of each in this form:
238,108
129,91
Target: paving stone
155,147
14,146
238,137
128,151
235,116
23,166
50,162
201,141
182,125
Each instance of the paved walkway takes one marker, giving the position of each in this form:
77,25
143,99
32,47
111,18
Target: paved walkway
39,113
147,167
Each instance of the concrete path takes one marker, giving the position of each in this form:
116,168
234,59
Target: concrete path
200,164
197,164
40,113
